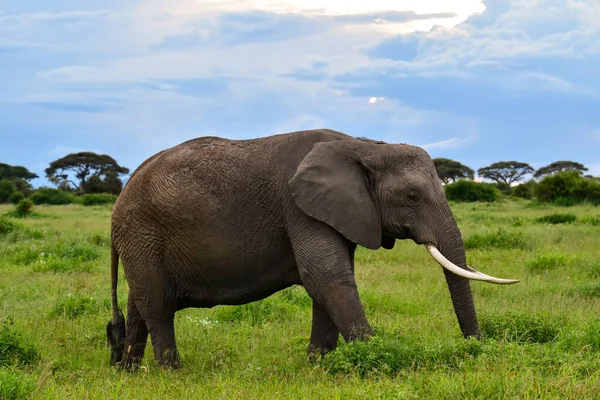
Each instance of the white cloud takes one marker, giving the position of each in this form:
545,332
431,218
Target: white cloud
302,122
374,100
593,169
67,16
61,150
451,143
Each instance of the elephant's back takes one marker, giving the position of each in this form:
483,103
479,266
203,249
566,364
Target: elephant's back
218,176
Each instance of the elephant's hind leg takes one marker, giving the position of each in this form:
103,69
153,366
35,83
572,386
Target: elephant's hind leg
162,335
136,337
324,334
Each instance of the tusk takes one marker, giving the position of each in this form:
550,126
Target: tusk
469,273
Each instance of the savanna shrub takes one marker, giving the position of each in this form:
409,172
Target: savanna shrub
24,208
524,190
504,188
12,349
16,197
7,188
521,327
45,195
557,218
96,199
568,188
468,191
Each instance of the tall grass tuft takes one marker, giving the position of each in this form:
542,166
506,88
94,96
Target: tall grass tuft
499,239
12,349
15,384
557,218
522,327
74,307
548,262
62,257
385,354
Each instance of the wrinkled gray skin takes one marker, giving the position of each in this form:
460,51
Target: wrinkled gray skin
215,221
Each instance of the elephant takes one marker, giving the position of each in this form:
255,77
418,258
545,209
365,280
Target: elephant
214,221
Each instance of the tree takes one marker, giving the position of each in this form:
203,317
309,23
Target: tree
7,188
505,171
12,173
83,165
451,171
560,166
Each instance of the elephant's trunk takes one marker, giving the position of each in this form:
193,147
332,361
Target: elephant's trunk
451,246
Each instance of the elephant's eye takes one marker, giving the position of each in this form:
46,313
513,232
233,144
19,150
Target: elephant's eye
413,196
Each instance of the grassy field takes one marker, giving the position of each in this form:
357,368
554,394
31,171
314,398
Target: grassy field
542,335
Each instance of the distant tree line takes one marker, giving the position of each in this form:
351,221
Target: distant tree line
79,177
96,178
561,182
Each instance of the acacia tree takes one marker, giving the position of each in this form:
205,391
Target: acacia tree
450,170
505,171
83,166
13,173
559,166
19,177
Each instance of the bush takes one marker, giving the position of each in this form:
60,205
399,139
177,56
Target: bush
51,196
524,190
98,199
7,188
24,208
568,188
504,188
557,218
16,197
469,191
12,350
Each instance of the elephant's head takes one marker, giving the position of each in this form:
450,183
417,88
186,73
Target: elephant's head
374,193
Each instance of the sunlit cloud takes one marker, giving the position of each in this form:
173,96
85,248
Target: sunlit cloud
452,143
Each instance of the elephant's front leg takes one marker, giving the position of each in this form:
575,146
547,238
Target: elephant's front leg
325,268
324,334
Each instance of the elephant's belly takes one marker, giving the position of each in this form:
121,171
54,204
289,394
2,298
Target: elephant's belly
236,283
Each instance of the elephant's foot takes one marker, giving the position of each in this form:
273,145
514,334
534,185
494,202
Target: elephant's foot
162,335
358,332
135,339
324,334
170,359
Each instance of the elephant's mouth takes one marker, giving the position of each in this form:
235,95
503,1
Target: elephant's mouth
468,272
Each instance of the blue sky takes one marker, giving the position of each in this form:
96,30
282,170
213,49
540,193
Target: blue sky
475,81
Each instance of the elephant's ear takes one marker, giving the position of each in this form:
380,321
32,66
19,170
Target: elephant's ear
331,185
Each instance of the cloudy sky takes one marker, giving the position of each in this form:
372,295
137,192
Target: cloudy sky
476,81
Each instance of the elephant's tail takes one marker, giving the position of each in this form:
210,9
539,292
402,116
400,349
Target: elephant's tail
115,329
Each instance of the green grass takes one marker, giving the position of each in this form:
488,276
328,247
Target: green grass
541,337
